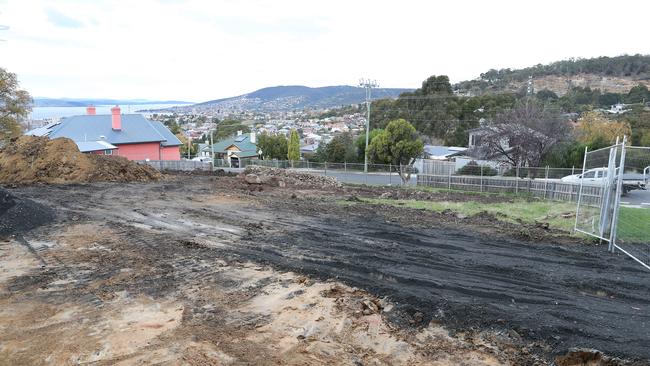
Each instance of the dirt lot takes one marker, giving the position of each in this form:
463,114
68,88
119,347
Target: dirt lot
206,270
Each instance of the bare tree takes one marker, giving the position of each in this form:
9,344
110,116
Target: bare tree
524,134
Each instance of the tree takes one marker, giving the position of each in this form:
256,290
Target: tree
546,95
399,145
273,146
593,126
15,105
361,142
523,135
341,149
293,148
228,128
638,94
192,147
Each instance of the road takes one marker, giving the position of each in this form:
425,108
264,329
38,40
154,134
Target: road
638,198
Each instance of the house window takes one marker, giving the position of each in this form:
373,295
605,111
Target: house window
108,152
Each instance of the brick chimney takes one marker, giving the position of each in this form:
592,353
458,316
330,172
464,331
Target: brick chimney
90,110
116,118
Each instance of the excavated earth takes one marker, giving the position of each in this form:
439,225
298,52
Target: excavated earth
213,270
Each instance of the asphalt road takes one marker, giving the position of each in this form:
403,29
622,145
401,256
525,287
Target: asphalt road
638,198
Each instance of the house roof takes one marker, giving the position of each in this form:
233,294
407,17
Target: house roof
241,142
135,129
88,146
443,151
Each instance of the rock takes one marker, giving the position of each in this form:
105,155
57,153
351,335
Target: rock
353,199
370,306
461,216
252,179
386,195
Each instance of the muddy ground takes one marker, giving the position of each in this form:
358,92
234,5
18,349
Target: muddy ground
207,270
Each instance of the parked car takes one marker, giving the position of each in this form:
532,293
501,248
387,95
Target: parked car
597,176
591,175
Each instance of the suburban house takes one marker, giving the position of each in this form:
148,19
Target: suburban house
442,152
235,148
129,135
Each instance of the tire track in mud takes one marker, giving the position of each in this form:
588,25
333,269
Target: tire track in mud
577,296
565,296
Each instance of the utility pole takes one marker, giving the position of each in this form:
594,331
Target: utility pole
212,148
368,85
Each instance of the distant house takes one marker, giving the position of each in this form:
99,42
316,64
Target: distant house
308,150
233,149
478,143
442,152
129,135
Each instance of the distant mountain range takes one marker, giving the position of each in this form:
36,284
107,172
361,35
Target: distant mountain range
293,97
73,102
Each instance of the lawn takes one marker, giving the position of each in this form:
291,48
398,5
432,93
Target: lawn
634,225
559,215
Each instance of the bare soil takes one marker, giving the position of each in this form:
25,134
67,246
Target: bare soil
209,271
30,159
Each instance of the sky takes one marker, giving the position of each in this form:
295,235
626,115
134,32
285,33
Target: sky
198,50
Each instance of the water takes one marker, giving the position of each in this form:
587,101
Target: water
59,112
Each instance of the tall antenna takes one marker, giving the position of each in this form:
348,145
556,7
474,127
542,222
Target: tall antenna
368,85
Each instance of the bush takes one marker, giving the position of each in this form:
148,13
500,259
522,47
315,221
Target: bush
472,168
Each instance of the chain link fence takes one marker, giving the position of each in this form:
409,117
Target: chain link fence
633,220
594,212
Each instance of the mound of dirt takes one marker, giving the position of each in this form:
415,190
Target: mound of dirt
254,174
21,215
31,159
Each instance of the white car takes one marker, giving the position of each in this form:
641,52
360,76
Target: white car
596,175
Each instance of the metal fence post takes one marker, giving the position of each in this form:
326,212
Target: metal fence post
617,198
449,177
584,164
325,168
390,174
481,178
345,166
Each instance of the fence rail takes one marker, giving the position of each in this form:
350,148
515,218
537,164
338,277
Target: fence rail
177,165
539,182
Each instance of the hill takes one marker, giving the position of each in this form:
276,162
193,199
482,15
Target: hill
74,102
609,74
284,98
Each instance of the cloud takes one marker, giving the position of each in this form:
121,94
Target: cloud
62,20
291,26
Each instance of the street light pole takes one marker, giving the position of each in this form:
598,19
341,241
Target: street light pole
368,85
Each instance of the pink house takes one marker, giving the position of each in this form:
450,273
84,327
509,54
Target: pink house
128,135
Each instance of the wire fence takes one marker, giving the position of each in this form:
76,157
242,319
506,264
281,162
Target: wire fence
633,221
594,216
